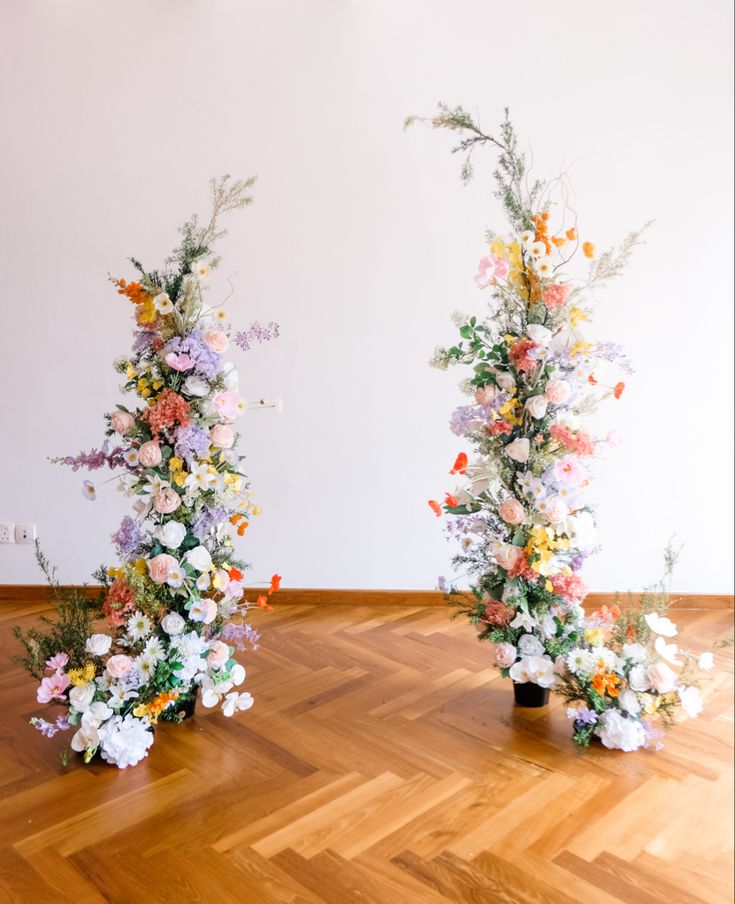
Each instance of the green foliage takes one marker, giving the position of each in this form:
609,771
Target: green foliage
67,632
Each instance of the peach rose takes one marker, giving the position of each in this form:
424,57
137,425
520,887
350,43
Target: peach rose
508,556
167,501
216,340
222,436
149,454
511,511
662,678
557,511
505,655
218,654
159,567
121,421
118,666
486,395
557,392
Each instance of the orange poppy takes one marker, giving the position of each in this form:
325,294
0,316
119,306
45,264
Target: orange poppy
435,507
460,465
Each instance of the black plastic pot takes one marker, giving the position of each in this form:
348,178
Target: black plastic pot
187,705
530,695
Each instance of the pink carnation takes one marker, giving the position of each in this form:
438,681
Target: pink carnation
569,586
556,295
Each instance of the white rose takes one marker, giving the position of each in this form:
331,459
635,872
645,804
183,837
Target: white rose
635,652
81,696
505,381
617,732
706,662
86,738
539,334
196,386
519,450
638,679
582,527
537,406
171,534
628,702
530,645
691,701
98,644
173,623
199,558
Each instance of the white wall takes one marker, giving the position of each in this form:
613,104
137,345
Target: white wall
361,242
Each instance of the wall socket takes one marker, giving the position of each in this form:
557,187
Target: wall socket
25,533
7,532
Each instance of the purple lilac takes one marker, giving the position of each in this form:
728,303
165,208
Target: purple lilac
143,340
585,715
206,361
240,633
256,333
128,538
95,459
206,520
63,723
611,351
47,729
191,442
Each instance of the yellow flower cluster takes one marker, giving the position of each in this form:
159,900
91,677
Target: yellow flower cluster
511,252
540,548
176,468
80,677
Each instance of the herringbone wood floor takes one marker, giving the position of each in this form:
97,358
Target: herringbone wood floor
383,762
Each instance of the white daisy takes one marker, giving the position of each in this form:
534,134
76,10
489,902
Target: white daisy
138,626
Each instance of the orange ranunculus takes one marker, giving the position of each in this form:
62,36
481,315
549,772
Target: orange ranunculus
618,391
435,507
460,465
572,234
589,249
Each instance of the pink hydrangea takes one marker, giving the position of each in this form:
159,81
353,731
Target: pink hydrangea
556,295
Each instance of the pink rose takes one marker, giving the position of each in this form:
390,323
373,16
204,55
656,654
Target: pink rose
557,392
216,340
167,501
505,655
226,404
662,678
218,654
53,688
222,436
556,511
159,567
121,421
149,454
508,556
511,511
556,295
119,666
486,395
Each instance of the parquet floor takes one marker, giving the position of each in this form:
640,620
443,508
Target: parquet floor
383,762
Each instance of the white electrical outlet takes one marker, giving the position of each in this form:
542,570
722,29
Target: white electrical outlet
25,533
6,532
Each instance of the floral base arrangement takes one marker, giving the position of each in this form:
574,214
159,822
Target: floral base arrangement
627,681
173,611
522,514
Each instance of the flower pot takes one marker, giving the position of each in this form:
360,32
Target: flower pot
187,705
531,695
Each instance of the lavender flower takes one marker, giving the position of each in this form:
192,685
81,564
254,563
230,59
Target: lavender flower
611,351
206,520
191,442
466,419
47,729
583,715
256,333
206,361
128,538
93,460
240,633
143,340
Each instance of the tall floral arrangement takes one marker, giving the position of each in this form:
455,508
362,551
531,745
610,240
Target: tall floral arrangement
523,514
174,608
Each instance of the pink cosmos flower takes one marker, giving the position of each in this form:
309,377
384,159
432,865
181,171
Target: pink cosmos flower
489,269
57,662
569,472
179,362
53,687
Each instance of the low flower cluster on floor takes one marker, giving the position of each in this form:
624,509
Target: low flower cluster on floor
175,607
522,513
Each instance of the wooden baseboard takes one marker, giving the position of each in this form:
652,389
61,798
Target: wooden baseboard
302,596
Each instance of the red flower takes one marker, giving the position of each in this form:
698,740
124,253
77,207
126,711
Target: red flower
435,507
460,465
450,500
618,391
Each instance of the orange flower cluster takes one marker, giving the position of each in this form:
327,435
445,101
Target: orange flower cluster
119,602
168,409
145,309
156,706
242,528
275,586
606,682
